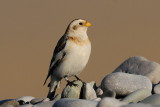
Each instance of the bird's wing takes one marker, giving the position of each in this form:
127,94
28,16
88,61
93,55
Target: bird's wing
58,55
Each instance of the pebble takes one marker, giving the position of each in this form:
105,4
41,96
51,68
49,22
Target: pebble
45,104
3,101
140,105
88,91
70,102
153,99
13,103
141,66
26,105
137,95
72,91
36,100
108,93
124,83
99,91
156,89
110,102
26,99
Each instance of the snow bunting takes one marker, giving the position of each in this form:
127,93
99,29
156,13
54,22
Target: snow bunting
70,55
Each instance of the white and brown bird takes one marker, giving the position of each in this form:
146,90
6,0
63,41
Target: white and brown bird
70,55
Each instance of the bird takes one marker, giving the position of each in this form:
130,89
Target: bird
70,55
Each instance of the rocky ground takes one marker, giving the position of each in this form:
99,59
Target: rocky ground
135,83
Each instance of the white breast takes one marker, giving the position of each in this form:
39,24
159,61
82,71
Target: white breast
75,60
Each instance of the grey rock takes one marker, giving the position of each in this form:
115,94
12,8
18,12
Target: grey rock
25,98
124,83
26,105
70,102
46,99
88,91
9,106
108,93
97,99
99,91
72,91
36,100
141,66
45,104
3,101
14,103
137,95
140,105
156,89
153,99
110,102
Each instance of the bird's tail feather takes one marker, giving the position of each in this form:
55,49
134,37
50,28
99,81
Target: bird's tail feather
52,88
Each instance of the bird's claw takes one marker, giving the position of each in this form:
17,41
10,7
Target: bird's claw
72,84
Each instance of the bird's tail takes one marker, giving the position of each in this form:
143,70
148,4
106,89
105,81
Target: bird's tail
52,87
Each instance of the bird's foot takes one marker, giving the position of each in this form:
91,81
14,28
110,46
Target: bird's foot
80,80
71,83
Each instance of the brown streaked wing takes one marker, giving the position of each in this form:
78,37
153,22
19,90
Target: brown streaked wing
60,46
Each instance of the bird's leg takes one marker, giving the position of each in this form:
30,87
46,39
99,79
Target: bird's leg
79,79
70,83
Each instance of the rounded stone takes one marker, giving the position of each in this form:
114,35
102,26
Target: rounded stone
110,102
140,105
137,95
26,105
36,100
153,99
69,102
14,103
88,92
124,83
26,99
45,104
72,91
99,91
156,89
141,66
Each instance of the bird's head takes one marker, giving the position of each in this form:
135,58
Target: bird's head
78,27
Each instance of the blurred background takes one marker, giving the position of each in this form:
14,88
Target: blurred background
30,29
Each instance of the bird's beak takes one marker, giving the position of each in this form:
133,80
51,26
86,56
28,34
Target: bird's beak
87,24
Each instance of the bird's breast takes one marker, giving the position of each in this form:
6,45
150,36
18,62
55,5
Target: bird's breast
76,58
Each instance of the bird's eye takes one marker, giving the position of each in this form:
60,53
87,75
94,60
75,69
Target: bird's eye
80,23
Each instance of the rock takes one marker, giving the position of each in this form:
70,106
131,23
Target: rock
36,100
124,83
14,103
70,102
88,91
153,99
8,106
137,95
97,99
141,66
72,91
108,93
156,89
110,102
26,105
99,91
46,99
26,99
140,105
3,101
45,104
